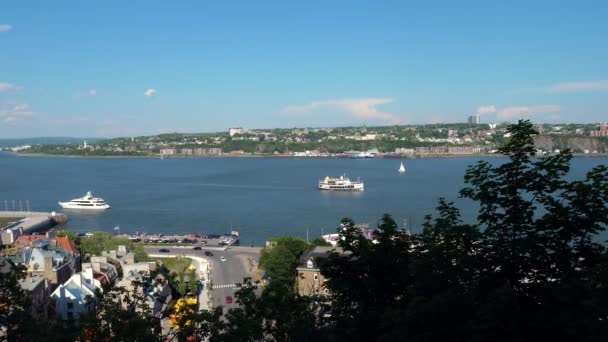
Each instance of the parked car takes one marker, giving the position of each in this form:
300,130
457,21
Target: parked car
223,259
207,253
197,248
164,250
228,300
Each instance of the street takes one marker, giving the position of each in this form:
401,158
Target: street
224,274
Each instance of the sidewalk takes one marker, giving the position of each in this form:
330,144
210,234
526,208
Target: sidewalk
203,269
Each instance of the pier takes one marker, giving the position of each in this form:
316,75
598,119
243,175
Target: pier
28,222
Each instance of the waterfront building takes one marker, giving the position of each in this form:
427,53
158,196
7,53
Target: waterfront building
405,151
600,131
463,149
309,279
431,150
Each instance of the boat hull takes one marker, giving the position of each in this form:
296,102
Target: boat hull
355,187
66,205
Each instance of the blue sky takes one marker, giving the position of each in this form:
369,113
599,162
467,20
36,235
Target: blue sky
121,68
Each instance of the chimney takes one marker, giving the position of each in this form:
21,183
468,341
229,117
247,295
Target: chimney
89,275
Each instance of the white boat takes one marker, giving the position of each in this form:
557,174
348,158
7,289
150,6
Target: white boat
340,184
87,202
401,168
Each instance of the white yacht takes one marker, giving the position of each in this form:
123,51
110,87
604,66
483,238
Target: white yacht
340,184
87,202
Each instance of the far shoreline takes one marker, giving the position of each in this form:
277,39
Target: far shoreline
274,156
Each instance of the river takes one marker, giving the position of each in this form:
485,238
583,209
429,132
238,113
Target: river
259,197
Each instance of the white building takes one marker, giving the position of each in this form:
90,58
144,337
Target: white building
236,130
76,296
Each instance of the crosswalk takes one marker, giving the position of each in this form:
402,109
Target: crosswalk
225,286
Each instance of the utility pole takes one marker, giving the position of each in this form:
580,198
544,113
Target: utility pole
307,235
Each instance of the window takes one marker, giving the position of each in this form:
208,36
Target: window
70,305
316,277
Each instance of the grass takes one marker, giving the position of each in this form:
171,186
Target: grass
5,221
176,265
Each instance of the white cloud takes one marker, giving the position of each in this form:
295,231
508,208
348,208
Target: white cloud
579,86
514,113
150,92
5,28
13,114
483,110
7,87
92,92
363,109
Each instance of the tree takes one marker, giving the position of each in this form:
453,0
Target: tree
281,260
15,302
369,283
538,245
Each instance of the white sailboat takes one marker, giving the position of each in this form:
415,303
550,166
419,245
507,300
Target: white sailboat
401,168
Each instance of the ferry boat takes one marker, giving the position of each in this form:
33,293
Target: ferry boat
340,184
86,202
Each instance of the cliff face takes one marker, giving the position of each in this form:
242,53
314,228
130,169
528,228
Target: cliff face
576,144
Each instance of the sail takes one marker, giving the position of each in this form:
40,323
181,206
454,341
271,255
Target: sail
402,168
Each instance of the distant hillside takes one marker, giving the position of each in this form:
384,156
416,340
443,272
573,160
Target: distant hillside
44,141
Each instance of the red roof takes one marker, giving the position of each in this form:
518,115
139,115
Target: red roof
26,240
66,244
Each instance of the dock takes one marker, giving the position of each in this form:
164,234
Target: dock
28,222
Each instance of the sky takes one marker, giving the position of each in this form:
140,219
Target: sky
127,68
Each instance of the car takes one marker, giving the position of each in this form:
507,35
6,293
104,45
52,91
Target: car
197,248
228,300
207,253
164,250
223,259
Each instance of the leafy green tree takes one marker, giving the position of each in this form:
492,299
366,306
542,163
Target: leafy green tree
281,260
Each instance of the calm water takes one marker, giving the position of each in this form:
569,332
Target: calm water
258,197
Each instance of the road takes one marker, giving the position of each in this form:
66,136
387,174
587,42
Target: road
225,274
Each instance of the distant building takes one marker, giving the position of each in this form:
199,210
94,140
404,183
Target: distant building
600,131
474,119
237,130
431,150
405,151
463,150
168,151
